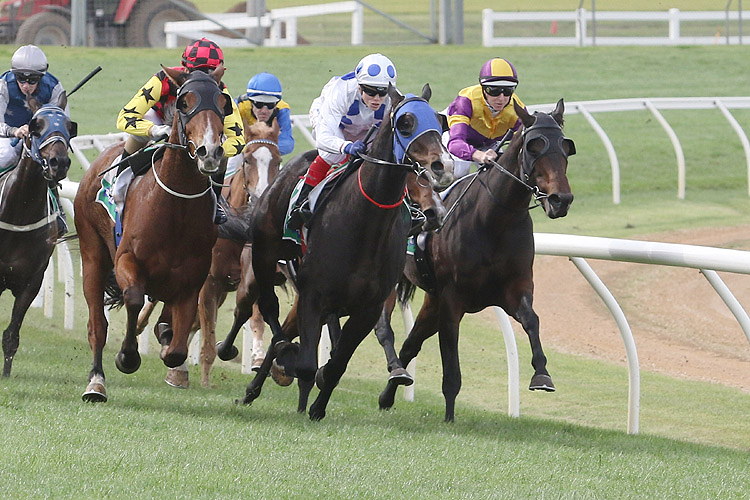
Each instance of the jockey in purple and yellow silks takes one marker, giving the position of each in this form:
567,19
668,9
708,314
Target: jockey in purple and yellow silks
482,114
341,117
149,114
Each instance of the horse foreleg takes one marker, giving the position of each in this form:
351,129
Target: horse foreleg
384,333
144,315
93,289
425,326
309,325
24,298
128,360
541,381
247,294
208,305
450,318
183,318
355,330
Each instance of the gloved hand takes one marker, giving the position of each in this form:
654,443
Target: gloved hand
355,148
159,130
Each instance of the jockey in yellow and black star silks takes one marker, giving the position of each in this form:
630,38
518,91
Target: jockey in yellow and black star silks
149,114
482,114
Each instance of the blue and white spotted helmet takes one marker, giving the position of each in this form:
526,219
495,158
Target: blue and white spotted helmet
375,70
264,87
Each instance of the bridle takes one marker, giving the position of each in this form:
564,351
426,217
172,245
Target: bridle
57,127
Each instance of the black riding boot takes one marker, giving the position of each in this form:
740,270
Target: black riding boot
220,216
300,212
62,224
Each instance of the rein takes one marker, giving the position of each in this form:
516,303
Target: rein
164,186
368,198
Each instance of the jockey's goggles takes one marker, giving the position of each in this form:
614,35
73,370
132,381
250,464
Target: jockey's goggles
494,91
30,78
374,91
261,105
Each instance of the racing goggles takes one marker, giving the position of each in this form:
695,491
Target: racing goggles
494,91
374,91
30,78
261,105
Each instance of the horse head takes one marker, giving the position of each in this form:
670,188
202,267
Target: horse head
544,158
201,107
417,137
261,158
48,142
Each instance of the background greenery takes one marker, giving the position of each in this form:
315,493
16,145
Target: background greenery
150,441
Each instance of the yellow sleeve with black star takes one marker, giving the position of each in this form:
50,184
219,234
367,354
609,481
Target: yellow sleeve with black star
130,119
234,132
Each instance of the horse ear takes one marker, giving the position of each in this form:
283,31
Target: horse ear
275,126
73,129
177,76
63,100
395,95
557,114
218,73
34,104
426,92
35,127
527,119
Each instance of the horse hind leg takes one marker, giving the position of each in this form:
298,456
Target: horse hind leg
385,335
541,381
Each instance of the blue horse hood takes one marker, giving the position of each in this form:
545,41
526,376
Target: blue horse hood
426,121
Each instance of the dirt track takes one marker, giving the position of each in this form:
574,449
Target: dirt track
681,326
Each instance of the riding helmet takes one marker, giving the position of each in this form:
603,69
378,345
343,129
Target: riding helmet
264,87
29,59
498,72
202,54
375,70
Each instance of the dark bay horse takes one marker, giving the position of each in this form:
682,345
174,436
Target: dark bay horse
355,245
28,215
168,229
484,254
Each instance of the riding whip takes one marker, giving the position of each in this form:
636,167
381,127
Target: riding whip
85,79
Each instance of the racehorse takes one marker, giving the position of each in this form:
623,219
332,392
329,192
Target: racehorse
28,215
168,230
484,253
356,244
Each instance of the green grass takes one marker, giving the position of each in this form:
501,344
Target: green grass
150,441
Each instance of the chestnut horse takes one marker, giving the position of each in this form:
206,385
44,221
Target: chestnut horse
355,245
483,256
28,214
168,229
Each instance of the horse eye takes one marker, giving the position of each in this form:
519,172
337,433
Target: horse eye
535,146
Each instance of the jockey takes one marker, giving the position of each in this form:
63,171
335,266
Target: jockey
341,118
28,77
150,112
482,114
263,102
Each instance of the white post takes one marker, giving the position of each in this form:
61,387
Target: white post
143,340
358,24
675,144
408,318
581,27
674,25
511,352
65,263
247,348
324,347
49,289
614,163
194,349
488,27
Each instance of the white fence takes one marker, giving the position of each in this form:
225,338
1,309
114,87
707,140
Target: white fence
282,23
583,18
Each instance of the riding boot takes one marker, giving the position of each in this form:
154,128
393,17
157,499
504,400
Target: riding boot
300,212
220,216
62,224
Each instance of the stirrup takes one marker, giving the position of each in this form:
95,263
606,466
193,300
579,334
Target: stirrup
62,226
220,217
299,216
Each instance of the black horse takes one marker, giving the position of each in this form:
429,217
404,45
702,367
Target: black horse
483,255
28,213
355,246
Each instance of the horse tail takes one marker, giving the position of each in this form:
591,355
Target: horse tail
238,226
405,290
113,296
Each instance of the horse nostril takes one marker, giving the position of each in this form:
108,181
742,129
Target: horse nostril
437,167
201,151
53,162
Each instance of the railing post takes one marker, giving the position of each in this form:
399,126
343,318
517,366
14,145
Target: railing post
674,25
581,27
488,27
358,24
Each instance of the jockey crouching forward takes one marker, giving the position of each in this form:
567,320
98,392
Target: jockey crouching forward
341,117
149,114
28,77
482,114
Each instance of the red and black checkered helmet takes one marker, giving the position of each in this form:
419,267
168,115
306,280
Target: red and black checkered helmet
202,54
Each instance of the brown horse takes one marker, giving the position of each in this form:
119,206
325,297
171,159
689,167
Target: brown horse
168,229
355,245
28,217
483,256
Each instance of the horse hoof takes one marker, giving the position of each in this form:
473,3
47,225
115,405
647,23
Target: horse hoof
386,399
316,415
95,393
226,351
542,382
400,376
256,364
319,379
178,378
174,359
128,363
279,375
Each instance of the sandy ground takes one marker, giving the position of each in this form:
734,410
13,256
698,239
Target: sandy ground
680,325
